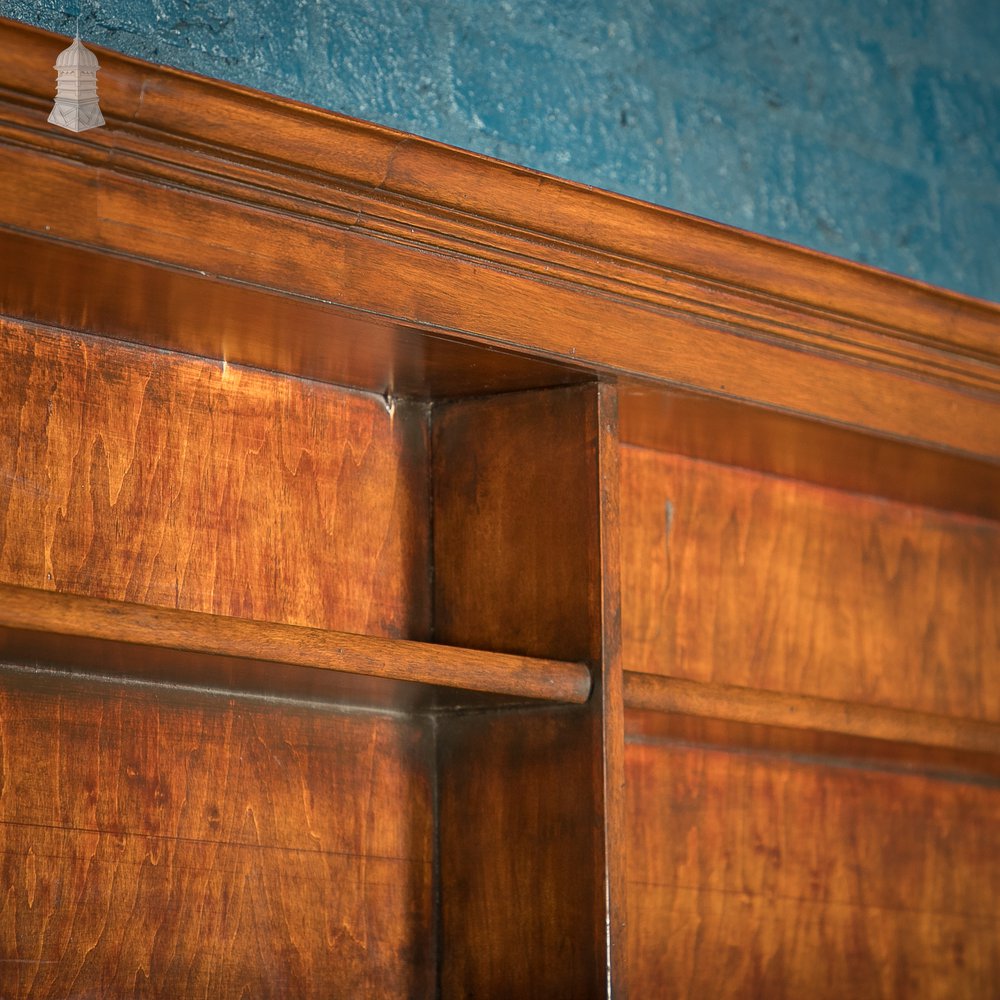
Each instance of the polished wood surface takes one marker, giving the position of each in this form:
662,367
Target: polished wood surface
735,577
165,480
768,877
608,699
730,703
419,577
308,648
515,515
166,843
264,192
522,898
532,886
201,315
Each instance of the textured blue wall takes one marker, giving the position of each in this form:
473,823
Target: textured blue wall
866,128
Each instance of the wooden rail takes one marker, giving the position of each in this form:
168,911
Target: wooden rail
731,703
312,648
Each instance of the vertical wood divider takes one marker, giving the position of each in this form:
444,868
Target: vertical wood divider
531,799
608,700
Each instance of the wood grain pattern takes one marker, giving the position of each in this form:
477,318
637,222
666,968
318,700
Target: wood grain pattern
521,889
160,479
325,207
309,648
159,843
767,877
515,523
531,802
164,840
773,584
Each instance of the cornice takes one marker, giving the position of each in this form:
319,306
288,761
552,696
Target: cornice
679,299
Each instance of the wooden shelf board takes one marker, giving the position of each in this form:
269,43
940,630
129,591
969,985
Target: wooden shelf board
25,611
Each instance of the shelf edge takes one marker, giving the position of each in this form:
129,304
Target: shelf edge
36,610
732,703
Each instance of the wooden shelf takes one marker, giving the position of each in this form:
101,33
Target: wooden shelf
306,648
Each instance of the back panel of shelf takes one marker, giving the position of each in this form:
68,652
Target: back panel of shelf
769,861
201,844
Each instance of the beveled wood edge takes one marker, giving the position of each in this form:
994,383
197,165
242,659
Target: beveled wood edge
36,610
441,199
732,703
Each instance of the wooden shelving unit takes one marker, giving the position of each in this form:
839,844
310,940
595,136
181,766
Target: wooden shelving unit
422,577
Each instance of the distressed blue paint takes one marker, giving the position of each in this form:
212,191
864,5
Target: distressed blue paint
866,128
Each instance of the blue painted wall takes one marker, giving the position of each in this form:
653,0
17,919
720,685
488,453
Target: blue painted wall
866,128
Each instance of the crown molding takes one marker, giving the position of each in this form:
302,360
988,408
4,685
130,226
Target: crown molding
266,193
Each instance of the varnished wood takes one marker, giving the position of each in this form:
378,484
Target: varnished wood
531,802
730,433
765,877
172,481
829,746
308,648
163,843
782,555
211,318
515,512
728,702
329,206
735,577
521,883
608,699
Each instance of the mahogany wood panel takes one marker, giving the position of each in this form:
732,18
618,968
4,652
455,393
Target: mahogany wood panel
515,523
163,843
305,203
309,648
161,479
767,877
768,583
